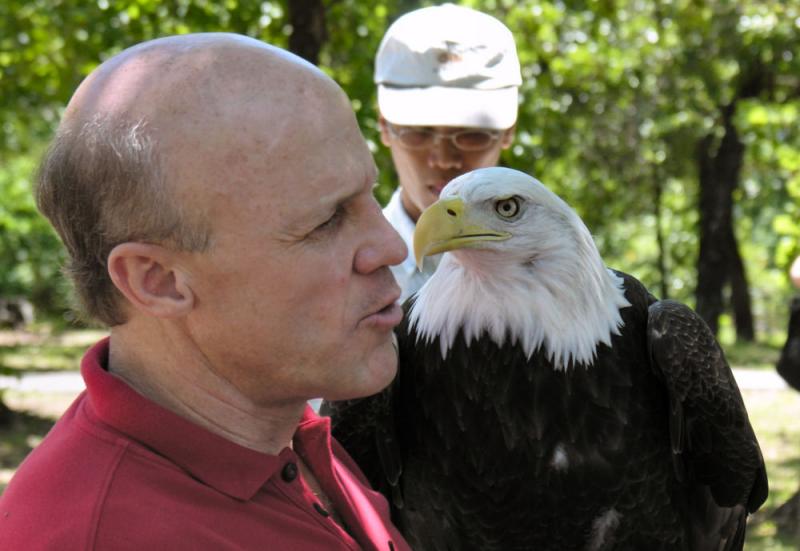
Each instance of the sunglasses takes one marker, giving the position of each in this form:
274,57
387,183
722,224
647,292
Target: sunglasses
420,137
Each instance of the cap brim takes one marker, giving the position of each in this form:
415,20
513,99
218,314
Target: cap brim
447,106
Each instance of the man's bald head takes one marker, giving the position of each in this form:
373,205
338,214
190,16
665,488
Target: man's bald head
167,79
144,136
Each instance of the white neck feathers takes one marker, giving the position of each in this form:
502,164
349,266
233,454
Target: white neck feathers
565,301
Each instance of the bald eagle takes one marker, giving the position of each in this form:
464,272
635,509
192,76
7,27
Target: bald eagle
546,402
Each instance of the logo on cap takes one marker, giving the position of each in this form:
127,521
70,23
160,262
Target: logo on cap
448,57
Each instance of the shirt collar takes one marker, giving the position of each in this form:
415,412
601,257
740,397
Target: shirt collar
411,279
397,216
224,465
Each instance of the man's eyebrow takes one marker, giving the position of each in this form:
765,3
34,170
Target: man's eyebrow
370,182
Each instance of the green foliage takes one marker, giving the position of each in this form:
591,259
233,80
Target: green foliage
30,252
46,48
616,96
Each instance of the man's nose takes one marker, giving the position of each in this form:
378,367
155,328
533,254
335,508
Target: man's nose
385,247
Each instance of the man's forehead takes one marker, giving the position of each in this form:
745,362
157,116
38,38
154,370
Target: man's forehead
296,182
336,186
320,195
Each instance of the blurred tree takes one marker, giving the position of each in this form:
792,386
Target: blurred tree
30,252
308,33
627,104
666,124
743,41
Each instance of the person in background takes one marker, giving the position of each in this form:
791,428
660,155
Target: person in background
214,194
448,79
788,365
794,272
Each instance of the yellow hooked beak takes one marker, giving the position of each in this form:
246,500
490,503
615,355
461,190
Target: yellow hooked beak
445,226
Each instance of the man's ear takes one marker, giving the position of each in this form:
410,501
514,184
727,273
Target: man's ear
507,138
149,278
385,136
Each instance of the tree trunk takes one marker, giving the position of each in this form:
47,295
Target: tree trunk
740,292
307,18
711,258
658,192
719,261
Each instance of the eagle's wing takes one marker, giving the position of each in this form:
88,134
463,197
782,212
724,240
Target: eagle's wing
366,429
714,448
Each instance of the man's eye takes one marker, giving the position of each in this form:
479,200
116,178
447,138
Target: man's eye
333,221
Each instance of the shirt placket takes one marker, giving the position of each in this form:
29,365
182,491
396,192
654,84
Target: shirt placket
291,484
354,507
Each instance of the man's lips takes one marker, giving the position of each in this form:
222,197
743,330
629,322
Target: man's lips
387,316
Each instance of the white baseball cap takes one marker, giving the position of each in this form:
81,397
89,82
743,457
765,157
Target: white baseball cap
448,66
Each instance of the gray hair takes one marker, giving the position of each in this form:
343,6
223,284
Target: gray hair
101,183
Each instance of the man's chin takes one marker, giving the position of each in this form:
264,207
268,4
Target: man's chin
376,375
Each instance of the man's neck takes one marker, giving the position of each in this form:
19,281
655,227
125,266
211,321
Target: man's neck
172,373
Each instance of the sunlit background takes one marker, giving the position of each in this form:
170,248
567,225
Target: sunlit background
673,127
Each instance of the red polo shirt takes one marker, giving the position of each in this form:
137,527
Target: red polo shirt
119,472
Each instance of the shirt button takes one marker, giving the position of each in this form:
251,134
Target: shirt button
289,472
320,510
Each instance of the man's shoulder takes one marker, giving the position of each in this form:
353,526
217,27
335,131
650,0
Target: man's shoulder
85,482
60,485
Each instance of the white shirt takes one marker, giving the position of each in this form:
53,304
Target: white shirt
408,277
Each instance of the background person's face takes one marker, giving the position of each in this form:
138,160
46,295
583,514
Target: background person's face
423,173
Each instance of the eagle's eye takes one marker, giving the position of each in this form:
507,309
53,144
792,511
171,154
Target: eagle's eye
507,208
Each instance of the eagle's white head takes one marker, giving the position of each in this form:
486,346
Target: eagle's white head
522,267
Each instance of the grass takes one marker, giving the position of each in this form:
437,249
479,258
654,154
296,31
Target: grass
775,415
40,352
752,355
